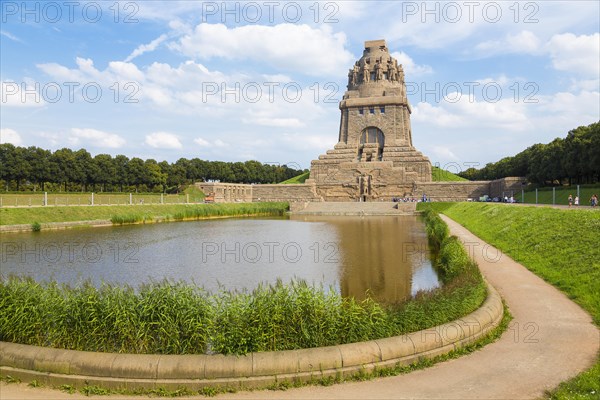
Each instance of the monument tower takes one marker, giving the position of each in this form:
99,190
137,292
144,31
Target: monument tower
374,158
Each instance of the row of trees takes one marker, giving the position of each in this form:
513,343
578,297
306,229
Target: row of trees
574,159
35,168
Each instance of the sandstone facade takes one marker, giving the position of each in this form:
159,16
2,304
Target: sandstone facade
374,158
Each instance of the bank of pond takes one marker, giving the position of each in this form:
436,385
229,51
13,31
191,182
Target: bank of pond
181,317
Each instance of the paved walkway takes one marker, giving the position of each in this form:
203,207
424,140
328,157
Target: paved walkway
550,340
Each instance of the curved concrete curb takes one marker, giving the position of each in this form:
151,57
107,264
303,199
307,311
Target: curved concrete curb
56,225
80,368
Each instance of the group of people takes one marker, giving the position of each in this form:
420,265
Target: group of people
404,200
575,201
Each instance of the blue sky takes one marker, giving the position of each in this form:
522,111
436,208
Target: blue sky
262,80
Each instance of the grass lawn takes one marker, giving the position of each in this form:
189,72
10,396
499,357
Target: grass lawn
297,179
11,199
134,213
561,246
441,175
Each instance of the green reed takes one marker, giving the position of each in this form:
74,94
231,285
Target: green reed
198,211
178,318
436,228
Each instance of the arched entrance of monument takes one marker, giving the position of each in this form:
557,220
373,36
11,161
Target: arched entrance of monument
370,146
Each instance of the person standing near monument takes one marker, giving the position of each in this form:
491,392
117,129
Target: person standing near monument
570,199
576,200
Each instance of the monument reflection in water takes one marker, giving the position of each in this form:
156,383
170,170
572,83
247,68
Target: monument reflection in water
386,255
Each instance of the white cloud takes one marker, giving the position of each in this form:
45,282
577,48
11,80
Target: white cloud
444,153
10,136
279,122
479,131
15,94
10,36
144,48
124,71
292,47
410,67
202,142
522,42
579,54
588,85
163,140
568,109
316,143
501,80
458,111
116,72
95,138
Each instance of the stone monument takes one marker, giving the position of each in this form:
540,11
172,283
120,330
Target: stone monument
374,159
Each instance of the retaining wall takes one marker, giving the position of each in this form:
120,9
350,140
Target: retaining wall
453,191
79,368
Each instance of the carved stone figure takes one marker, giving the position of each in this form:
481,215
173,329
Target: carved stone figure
401,74
366,73
392,71
355,71
378,71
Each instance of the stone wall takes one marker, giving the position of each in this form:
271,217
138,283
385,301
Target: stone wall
507,186
290,193
310,191
237,192
453,191
227,192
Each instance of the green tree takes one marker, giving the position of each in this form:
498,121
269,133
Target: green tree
85,169
153,175
14,164
136,172
121,164
41,166
105,171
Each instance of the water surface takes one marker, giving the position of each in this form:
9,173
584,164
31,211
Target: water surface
386,255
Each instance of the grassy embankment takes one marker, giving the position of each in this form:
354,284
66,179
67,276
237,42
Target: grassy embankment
22,199
441,175
174,318
296,179
136,213
561,246
562,195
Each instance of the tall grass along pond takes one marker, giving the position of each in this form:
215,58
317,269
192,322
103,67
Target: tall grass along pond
177,318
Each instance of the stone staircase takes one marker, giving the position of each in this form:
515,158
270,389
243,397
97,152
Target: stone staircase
353,208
